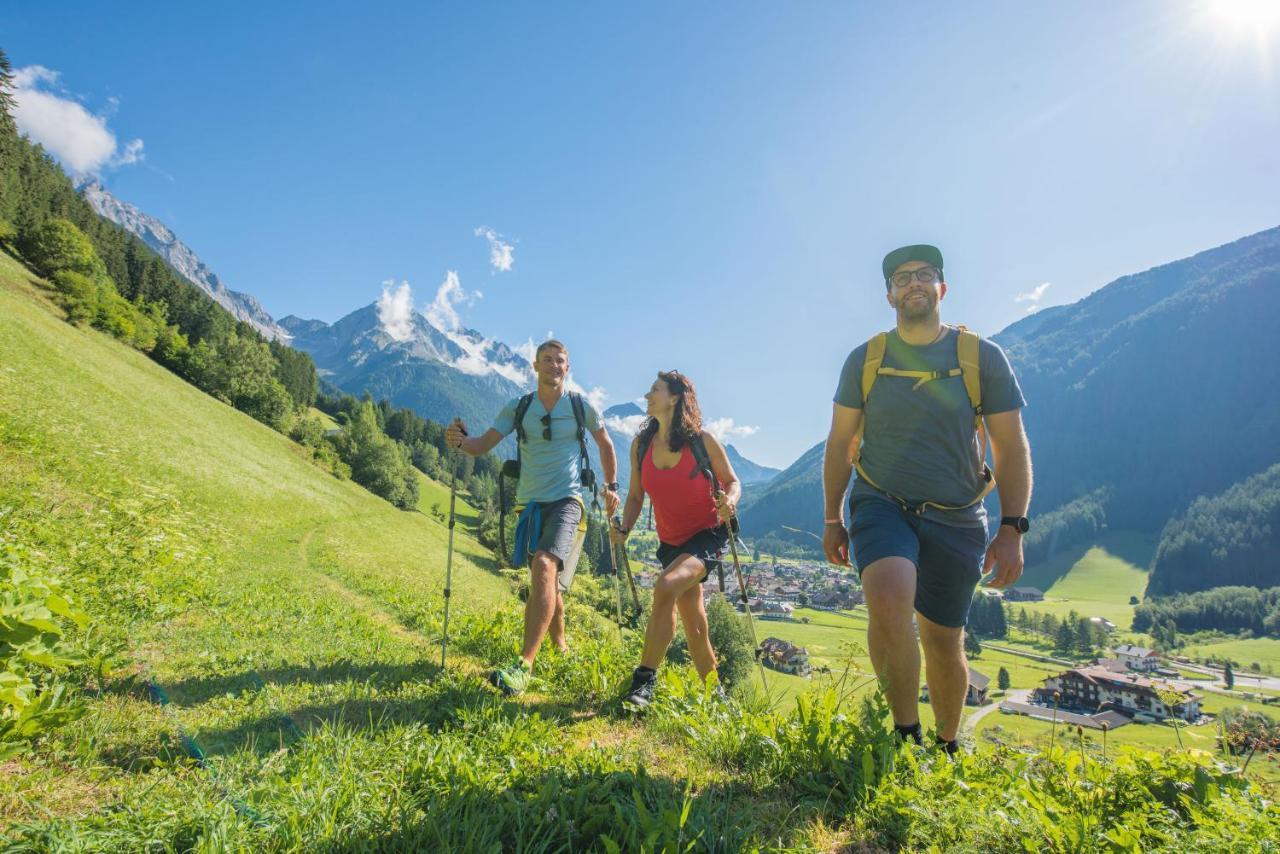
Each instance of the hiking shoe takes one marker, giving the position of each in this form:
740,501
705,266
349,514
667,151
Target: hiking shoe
640,694
911,732
951,747
512,680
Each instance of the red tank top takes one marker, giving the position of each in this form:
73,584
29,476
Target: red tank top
682,505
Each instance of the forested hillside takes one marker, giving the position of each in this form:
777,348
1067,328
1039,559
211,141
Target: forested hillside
1228,539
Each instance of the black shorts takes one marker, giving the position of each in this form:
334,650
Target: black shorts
707,546
948,559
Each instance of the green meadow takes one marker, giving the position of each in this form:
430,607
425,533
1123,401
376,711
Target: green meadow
268,679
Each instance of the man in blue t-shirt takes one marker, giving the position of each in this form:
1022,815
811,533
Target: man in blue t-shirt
551,463
917,525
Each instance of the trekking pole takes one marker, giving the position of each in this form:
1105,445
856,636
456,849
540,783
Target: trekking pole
742,589
626,564
613,563
448,565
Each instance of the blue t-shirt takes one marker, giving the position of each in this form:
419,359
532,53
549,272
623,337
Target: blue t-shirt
548,470
919,444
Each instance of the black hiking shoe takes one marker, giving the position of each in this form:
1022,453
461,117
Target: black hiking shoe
640,694
913,732
951,747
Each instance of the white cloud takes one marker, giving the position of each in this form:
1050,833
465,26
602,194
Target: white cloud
628,425
475,359
501,253
395,310
443,314
443,311
723,428
527,349
49,115
132,154
1033,296
596,396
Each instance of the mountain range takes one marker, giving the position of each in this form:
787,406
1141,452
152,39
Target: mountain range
436,373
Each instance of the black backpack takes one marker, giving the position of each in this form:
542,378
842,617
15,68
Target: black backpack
511,468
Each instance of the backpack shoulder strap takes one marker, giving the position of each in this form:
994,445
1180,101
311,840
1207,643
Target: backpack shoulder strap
967,343
871,365
580,416
522,407
702,461
642,446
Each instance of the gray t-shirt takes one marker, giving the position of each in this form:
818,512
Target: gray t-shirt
548,470
920,445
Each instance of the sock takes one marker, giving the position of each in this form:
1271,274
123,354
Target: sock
952,747
911,731
645,671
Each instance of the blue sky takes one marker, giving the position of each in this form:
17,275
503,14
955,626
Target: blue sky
708,187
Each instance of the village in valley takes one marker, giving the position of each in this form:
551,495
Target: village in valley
1124,684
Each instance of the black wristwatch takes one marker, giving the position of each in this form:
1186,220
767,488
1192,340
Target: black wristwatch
1021,524
611,487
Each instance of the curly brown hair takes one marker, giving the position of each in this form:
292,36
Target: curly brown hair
687,423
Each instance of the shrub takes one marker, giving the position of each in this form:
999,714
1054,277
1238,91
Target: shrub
59,245
731,639
79,295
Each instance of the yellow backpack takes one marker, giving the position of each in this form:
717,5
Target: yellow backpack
967,353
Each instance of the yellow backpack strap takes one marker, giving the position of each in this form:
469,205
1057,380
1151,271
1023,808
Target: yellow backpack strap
967,351
871,367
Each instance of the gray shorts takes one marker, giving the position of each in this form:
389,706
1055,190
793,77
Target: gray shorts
563,530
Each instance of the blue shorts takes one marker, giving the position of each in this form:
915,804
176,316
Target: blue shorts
948,559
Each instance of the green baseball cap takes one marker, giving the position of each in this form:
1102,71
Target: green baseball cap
919,252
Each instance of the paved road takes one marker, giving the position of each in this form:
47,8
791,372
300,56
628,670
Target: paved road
1019,695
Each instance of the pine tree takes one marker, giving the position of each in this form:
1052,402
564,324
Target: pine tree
1228,676
972,647
6,93
1002,679
1064,640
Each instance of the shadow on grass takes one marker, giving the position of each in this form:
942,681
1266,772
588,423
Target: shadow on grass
439,707
382,676
1045,572
575,809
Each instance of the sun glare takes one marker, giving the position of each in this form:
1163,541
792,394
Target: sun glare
1258,16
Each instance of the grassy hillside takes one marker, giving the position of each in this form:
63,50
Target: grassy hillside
291,622
1097,583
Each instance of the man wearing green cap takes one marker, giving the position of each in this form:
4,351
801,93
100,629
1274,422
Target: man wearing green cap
914,411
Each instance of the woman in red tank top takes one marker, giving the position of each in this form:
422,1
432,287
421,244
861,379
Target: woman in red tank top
692,536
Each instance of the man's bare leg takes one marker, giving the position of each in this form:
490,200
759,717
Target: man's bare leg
947,671
557,623
541,605
889,585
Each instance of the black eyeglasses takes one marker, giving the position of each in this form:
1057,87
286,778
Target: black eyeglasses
546,426
925,276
